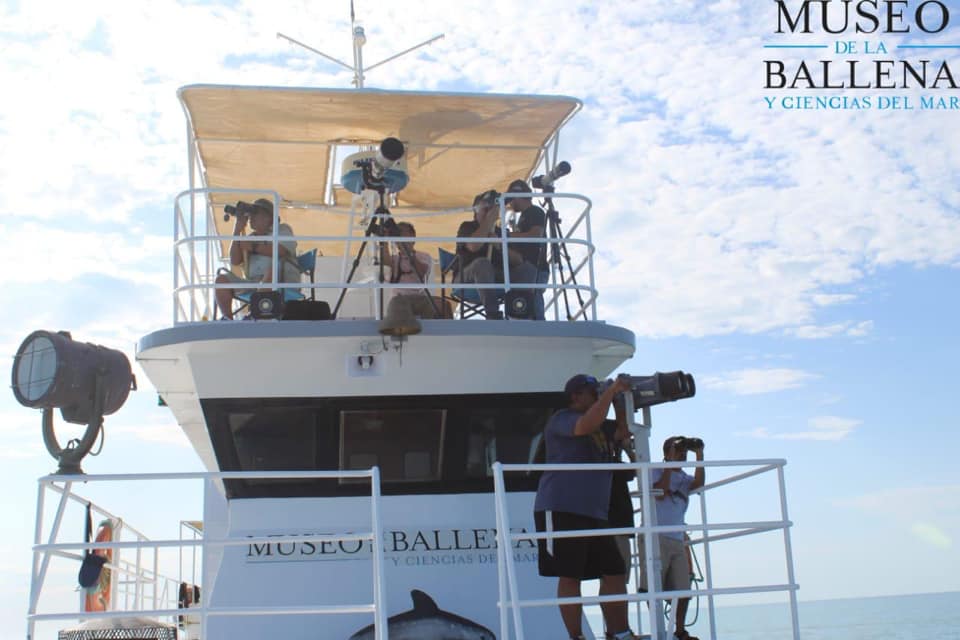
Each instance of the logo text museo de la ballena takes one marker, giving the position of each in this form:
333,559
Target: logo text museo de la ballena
861,45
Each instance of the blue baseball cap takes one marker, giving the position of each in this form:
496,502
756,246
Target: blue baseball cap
578,382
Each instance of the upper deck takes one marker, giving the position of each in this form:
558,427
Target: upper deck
292,147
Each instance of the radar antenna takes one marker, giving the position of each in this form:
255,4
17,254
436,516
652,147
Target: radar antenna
359,39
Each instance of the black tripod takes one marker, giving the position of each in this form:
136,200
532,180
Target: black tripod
381,224
558,249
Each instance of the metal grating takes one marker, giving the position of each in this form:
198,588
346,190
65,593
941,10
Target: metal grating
139,633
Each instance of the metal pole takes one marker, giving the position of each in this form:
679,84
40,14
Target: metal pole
501,551
593,282
205,572
788,549
503,541
55,529
380,593
651,554
34,587
706,561
405,51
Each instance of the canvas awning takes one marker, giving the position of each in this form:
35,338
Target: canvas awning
458,145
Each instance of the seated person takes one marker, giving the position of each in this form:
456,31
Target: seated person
531,224
256,255
483,262
417,271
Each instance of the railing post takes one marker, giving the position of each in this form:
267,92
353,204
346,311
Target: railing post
706,561
651,554
501,558
506,548
788,550
379,594
34,575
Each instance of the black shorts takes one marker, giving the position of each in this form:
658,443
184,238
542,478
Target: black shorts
582,558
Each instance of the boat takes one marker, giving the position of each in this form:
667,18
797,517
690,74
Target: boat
362,483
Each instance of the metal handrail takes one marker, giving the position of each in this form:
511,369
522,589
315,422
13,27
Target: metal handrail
510,601
42,552
189,279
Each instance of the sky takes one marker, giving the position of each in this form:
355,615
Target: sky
802,263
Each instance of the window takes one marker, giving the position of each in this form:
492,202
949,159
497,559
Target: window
407,445
421,444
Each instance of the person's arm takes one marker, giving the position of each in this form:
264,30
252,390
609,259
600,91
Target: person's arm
424,266
237,247
485,221
699,476
593,418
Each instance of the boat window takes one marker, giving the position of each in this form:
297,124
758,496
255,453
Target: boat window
425,444
275,440
407,445
508,436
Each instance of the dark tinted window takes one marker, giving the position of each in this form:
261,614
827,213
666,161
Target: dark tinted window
438,444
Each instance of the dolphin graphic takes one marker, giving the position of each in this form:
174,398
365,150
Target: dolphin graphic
426,621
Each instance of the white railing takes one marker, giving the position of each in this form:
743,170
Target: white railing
511,602
198,255
162,595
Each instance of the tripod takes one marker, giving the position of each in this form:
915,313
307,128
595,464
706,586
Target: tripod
381,224
558,250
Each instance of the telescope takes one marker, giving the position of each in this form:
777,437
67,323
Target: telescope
658,388
386,157
546,181
375,169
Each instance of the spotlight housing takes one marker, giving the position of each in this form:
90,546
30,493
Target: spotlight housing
85,381
52,371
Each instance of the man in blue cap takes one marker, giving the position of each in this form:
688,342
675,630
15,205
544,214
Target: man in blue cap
577,500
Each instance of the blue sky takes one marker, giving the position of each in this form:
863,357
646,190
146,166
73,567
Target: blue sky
802,264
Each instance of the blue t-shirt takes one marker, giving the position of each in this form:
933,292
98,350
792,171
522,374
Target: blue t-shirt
672,509
586,493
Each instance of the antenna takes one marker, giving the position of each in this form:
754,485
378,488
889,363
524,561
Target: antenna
359,39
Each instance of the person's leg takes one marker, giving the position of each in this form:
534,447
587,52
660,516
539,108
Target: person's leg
614,613
481,271
682,605
224,297
571,614
525,272
543,277
676,576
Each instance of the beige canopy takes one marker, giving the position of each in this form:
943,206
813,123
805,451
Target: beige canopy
283,139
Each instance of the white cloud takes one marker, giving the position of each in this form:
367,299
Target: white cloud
931,534
716,213
755,381
821,428
850,329
930,514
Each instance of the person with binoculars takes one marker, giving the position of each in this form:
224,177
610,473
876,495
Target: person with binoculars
482,262
254,254
674,486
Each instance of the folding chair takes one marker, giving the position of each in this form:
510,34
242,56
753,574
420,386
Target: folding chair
306,264
468,299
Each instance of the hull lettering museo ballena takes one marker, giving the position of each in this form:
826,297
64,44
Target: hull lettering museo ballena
395,541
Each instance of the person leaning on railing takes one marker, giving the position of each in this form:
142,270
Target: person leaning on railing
578,500
671,506
255,254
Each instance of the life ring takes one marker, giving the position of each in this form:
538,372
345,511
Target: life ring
97,597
